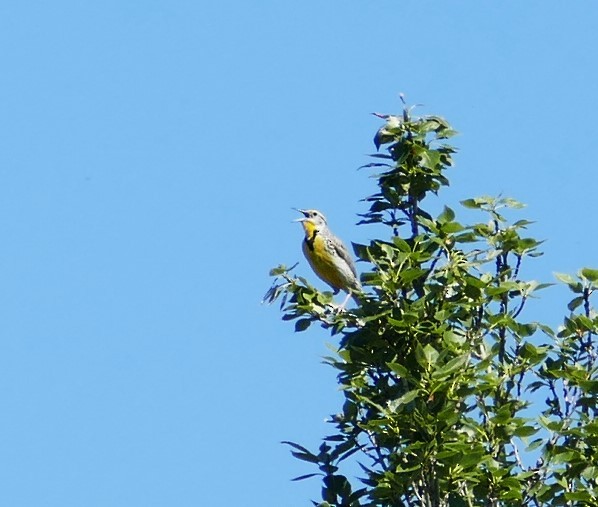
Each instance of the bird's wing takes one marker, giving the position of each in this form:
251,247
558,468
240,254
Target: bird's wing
343,253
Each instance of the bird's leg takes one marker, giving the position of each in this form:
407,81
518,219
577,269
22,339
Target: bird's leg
337,308
342,306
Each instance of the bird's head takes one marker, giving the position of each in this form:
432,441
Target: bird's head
312,220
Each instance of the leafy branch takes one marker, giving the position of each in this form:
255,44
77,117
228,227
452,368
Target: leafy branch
441,376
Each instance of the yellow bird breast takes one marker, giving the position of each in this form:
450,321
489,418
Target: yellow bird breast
327,264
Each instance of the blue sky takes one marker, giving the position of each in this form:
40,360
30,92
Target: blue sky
151,152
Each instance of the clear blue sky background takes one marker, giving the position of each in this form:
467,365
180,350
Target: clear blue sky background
150,154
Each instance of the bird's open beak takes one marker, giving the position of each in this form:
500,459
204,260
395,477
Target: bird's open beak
303,218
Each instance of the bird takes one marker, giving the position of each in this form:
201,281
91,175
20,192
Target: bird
328,256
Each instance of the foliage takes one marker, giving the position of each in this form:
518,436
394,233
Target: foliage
450,397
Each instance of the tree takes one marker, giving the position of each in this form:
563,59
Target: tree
441,375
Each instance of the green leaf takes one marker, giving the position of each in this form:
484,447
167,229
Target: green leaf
426,356
501,289
401,244
545,329
452,227
471,203
521,224
295,446
513,203
361,251
573,284
389,250
563,457
406,398
306,476
399,369
525,431
532,352
524,330
565,278
302,325
466,237
452,338
471,458
447,215
310,458
590,274
410,274
590,473
278,270
451,366
581,496
534,444
575,303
